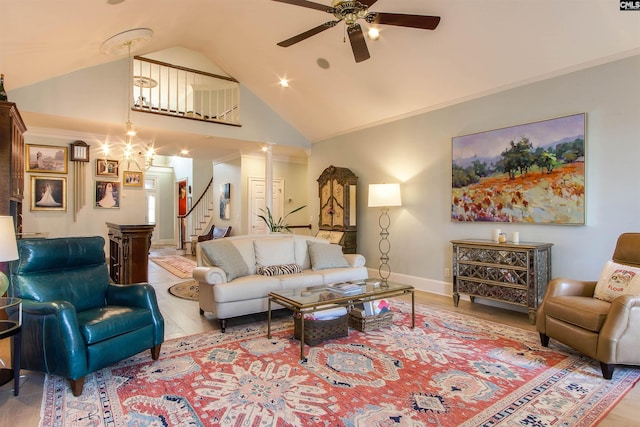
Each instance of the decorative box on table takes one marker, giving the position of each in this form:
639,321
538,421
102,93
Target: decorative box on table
316,331
358,320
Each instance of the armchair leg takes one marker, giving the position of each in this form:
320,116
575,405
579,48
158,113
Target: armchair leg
76,386
544,340
607,370
223,324
155,352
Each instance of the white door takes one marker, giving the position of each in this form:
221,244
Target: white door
151,197
257,202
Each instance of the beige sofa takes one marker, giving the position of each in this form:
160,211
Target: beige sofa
236,274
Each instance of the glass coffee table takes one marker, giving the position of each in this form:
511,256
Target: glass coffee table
318,298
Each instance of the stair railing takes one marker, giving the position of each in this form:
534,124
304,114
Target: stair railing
197,218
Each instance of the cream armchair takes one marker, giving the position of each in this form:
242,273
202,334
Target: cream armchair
608,332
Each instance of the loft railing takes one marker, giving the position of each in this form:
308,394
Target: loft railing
172,90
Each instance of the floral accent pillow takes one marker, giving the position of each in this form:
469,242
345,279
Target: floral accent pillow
617,279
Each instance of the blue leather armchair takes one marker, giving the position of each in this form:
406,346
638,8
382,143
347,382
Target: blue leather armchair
74,320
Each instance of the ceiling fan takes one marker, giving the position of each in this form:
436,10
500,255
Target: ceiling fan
350,12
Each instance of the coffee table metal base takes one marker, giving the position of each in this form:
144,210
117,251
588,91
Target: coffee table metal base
303,307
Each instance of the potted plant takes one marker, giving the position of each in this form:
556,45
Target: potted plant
277,226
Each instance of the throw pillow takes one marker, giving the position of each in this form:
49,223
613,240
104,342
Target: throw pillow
276,251
326,255
275,270
225,255
617,279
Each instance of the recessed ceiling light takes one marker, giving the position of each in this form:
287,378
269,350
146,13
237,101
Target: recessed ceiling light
284,82
184,152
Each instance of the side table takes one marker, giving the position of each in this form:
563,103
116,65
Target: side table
10,326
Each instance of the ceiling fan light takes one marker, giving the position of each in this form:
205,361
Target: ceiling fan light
373,33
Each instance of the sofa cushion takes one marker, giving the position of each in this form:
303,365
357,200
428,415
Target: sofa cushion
302,249
225,255
245,288
617,279
103,323
324,255
277,251
305,279
335,275
275,270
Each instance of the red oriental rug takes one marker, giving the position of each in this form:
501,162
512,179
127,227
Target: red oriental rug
175,264
451,370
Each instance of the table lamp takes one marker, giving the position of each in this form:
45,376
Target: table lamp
8,248
384,196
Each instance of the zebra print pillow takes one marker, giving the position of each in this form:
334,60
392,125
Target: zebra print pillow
275,270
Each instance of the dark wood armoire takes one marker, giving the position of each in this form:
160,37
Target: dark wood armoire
337,220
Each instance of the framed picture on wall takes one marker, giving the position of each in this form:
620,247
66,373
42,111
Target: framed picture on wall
182,197
106,167
532,173
48,193
107,194
46,158
132,179
225,201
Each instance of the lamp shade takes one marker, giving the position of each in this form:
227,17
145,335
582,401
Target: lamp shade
384,195
8,246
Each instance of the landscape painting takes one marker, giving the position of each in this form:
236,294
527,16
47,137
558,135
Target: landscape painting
531,173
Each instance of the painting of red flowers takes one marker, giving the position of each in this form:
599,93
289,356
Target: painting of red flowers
531,173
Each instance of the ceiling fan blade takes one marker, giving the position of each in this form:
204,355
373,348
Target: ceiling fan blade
358,43
309,4
402,20
307,34
368,3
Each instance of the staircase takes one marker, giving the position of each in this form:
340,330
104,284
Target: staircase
199,218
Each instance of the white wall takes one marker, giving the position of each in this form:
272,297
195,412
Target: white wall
416,152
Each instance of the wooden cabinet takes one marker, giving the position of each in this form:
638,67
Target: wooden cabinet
337,191
515,273
129,252
12,129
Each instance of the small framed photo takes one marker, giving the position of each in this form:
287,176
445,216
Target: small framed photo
107,194
106,167
48,193
46,158
132,179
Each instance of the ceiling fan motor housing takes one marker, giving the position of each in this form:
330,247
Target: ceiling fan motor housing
349,11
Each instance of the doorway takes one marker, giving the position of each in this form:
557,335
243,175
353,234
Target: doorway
257,203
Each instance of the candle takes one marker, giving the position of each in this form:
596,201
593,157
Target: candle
516,237
496,234
502,238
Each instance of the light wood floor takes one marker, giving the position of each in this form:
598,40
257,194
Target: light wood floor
182,318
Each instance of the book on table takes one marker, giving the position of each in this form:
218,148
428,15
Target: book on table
347,288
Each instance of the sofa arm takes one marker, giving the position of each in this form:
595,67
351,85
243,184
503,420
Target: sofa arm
52,341
209,275
570,287
139,295
355,260
619,338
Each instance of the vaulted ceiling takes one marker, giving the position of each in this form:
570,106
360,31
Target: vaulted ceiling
480,47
